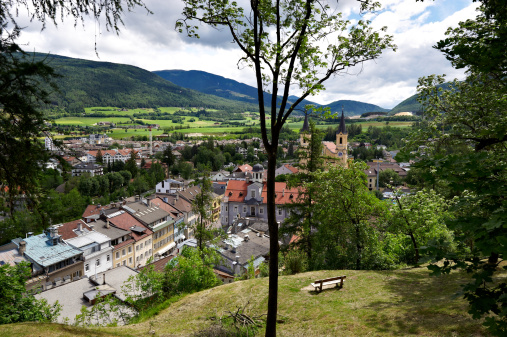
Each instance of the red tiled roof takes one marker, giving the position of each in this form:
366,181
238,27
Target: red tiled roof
291,168
66,229
234,189
283,194
244,168
93,210
330,146
126,221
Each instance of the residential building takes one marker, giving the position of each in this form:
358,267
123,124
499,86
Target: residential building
286,169
169,186
121,240
142,235
111,156
158,221
249,199
97,252
53,260
92,169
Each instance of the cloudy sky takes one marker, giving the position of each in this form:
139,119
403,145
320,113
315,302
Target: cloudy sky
150,41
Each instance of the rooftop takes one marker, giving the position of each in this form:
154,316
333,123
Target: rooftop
40,250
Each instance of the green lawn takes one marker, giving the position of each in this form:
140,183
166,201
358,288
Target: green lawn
371,303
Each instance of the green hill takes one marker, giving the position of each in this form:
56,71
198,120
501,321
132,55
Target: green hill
371,303
353,108
89,83
411,104
234,90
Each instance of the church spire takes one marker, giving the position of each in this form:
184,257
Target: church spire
306,126
342,128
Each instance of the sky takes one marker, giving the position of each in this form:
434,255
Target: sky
149,41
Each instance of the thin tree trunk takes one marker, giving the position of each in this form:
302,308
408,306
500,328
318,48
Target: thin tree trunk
273,246
416,248
359,248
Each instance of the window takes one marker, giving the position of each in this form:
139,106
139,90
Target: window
235,209
108,258
97,262
244,209
370,180
137,247
261,210
130,260
123,252
141,246
87,267
252,193
279,211
117,255
150,252
226,208
130,249
124,262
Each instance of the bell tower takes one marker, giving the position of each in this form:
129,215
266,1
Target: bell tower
341,142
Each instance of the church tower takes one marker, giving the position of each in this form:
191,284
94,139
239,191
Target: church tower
304,139
341,142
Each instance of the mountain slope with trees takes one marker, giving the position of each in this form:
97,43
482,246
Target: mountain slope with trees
86,83
223,87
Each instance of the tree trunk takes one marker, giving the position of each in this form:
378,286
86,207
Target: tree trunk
416,248
273,246
359,248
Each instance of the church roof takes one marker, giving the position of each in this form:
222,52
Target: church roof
342,128
306,126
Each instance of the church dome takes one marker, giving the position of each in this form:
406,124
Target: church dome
258,168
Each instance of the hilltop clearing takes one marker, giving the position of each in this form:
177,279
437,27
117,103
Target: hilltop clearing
375,303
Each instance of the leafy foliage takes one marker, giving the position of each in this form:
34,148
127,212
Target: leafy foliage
17,305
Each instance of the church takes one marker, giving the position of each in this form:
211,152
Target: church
333,153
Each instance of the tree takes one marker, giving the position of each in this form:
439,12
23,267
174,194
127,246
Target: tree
98,158
282,41
389,177
131,164
421,216
350,219
301,222
168,157
17,304
202,206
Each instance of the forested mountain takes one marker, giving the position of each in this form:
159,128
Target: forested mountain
411,104
231,89
89,83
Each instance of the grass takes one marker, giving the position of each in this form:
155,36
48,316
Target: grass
371,303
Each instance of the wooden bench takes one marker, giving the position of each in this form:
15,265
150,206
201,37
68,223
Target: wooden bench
327,281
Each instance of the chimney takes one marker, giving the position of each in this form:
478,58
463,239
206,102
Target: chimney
29,234
91,227
80,226
107,224
246,238
22,248
283,192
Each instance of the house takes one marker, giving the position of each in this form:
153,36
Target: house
121,240
169,186
97,252
219,175
157,220
73,296
142,235
249,199
92,169
111,156
374,169
286,169
238,249
53,260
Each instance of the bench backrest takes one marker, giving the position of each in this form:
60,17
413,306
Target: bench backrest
330,279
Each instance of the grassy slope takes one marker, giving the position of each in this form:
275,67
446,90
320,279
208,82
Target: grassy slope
372,303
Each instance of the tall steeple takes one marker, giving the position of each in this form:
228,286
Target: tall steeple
306,126
342,128
341,142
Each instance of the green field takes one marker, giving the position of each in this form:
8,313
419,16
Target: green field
197,126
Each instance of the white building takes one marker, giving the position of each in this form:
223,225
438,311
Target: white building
169,186
97,252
